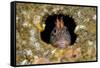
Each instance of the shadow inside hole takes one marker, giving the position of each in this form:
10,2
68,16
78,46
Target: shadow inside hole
50,24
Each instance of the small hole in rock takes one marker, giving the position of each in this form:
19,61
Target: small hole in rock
50,24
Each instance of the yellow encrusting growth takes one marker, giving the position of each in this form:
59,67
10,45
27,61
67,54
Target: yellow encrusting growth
30,22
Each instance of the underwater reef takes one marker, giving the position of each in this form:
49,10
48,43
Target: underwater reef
30,23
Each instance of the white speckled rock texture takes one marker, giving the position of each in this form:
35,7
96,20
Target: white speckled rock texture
29,21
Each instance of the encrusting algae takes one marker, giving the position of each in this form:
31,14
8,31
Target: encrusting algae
30,22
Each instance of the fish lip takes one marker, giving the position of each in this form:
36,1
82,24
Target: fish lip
61,44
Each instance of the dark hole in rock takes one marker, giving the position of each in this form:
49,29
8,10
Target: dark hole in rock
50,24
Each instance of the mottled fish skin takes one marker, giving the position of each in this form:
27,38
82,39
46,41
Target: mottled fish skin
60,37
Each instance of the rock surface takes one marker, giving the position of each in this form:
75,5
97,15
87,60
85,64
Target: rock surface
30,19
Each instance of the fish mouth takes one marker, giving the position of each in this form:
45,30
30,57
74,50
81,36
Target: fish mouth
61,44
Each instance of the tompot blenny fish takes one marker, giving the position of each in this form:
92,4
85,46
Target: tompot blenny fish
60,36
